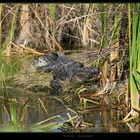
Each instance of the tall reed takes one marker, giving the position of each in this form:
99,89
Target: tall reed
86,25
8,104
12,31
114,43
0,24
25,26
103,8
134,58
52,14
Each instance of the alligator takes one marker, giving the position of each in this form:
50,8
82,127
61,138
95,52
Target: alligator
64,68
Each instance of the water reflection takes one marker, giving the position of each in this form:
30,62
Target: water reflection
102,119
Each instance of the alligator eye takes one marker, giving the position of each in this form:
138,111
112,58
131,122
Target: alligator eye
55,56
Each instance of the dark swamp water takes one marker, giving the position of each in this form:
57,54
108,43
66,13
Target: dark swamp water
54,118
24,110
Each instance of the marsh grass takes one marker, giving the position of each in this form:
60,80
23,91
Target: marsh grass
12,110
12,31
9,105
0,25
104,43
134,59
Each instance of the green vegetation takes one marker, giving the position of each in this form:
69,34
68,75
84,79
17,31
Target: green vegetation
134,59
105,36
